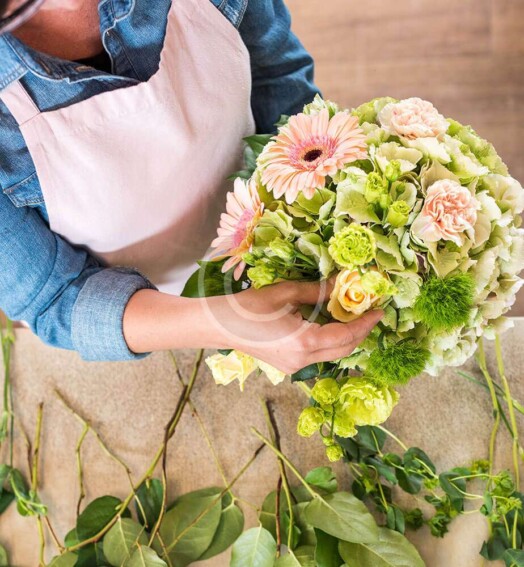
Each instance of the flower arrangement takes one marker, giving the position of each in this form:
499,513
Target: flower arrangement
408,211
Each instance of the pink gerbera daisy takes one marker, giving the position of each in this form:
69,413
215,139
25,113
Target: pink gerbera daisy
307,150
236,232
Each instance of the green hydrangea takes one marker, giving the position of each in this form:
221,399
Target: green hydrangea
325,391
283,249
377,190
377,284
366,402
353,246
334,453
398,214
310,421
261,274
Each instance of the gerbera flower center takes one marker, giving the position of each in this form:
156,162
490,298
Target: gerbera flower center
312,155
312,152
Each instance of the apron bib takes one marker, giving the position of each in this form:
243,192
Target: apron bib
137,175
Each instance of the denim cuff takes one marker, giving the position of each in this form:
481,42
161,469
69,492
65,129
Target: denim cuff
97,317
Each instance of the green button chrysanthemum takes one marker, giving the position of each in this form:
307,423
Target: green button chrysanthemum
353,246
310,421
325,391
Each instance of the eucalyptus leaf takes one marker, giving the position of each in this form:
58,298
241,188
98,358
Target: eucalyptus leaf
322,477
254,548
150,495
229,529
326,551
391,550
121,539
300,557
344,516
96,516
189,527
514,557
144,556
67,559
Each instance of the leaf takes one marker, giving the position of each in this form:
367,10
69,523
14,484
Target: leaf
326,551
254,548
324,478
197,538
209,281
96,516
67,559
514,557
268,518
307,373
410,483
391,550
300,557
6,498
4,560
150,495
454,487
344,516
91,555
144,556
121,539
228,531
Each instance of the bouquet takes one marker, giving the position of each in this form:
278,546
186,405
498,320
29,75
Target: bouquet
409,211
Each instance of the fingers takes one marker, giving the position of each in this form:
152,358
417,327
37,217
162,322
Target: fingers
307,293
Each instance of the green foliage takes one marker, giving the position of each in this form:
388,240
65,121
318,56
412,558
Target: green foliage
209,281
398,363
323,478
254,548
4,559
229,528
144,556
96,516
445,303
150,495
121,540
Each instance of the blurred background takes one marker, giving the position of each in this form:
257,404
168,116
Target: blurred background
466,56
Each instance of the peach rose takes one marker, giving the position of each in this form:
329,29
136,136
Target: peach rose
448,211
413,118
349,300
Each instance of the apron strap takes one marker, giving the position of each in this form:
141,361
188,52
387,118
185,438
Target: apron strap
19,103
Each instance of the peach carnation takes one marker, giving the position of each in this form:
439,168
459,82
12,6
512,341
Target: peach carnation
449,210
413,118
237,224
308,149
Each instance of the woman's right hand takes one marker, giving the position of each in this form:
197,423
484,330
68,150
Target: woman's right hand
267,324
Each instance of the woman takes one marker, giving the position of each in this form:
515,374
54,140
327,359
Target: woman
119,121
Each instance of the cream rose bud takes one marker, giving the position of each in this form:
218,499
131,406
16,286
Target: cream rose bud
349,300
234,366
449,210
413,118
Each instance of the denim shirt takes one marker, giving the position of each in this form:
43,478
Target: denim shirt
68,297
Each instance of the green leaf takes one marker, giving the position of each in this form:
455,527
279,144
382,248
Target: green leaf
324,478
4,560
186,548
514,557
67,559
410,483
121,539
96,516
416,460
257,142
254,548
150,495
6,498
145,557
454,487
209,281
391,550
326,551
307,373
344,516
268,518
300,557
91,555
228,531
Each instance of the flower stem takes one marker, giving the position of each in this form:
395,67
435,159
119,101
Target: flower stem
511,409
393,436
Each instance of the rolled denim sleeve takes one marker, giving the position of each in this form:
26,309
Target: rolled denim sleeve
66,296
282,70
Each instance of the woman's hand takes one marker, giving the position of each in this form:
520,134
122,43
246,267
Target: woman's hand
264,323
267,324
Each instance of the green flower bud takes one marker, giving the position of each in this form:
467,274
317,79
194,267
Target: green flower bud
325,391
377,189
353,246
398,214
343,425
393,170
310,421
377,284
249,258
334,453
319,104
328,441
261,274
282,249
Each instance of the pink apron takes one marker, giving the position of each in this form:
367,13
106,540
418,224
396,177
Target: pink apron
137,174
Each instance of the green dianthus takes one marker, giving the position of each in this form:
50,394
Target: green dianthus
398,363
352,246
444,304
